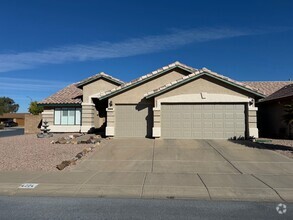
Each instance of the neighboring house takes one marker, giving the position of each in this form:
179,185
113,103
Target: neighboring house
16,117
175,101
271,113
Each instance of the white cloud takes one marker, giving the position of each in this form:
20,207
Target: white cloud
104,50
18,84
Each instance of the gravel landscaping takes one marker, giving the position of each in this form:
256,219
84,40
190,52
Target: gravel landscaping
29,153
284,147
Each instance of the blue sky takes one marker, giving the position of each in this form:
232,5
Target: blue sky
46,45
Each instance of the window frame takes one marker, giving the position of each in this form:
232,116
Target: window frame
61,109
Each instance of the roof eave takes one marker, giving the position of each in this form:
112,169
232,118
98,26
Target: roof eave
276,99
59,104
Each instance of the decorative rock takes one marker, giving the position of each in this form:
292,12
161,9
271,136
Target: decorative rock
61,140
72,136
89,149
74,141
63,165
79,155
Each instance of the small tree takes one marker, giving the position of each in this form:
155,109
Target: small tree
7,105
288,117
34,108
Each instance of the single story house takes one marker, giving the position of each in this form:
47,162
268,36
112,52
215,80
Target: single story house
175,101
271,113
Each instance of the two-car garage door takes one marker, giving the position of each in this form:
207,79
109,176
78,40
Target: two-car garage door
202,121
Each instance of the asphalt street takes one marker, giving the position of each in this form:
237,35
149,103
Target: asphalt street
101,208
7,132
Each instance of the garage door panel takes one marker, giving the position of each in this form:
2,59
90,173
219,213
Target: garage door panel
229,115
219,125
239,107
197,125
197,116
187,125
239,116
133,120
208,115
198,121
219,107
230,134
208,135
208,107
218,135
218,115
197,135
197,107
187,116
229,107
208,125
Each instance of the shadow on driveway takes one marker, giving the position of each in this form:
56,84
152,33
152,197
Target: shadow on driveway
266,145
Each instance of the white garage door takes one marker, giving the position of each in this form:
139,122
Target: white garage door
133,120
202,121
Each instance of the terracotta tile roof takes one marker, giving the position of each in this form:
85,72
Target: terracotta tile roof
144,78
286,91
69,95
98,76
268,87
196,74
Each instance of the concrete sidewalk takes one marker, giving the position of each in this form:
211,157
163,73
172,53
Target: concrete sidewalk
166,169
151,185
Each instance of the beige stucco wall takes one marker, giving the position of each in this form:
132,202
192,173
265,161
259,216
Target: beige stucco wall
200,85
95,87
48,115
90,114
32,123
135,95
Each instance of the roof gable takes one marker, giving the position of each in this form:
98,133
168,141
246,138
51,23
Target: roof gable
98,76
143,79
197,74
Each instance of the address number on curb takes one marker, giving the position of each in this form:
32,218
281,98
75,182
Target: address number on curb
28,185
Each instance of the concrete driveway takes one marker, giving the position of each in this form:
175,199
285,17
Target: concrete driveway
148,168
202,169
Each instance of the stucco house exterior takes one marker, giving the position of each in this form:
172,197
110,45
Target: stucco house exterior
72,109
175,101
271,113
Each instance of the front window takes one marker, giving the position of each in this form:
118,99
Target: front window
67,116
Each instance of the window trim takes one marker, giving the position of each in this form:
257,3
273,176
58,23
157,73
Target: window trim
68,108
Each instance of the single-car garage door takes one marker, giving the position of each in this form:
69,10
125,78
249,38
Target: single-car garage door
133,120
202,121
